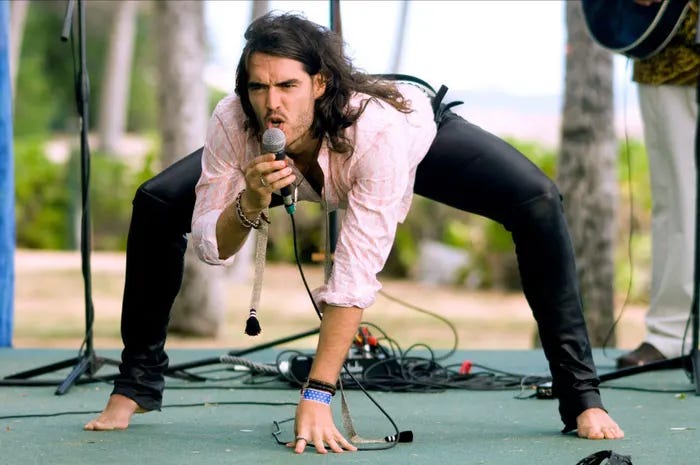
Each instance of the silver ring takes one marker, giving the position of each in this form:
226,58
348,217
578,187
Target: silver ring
262,181
301,438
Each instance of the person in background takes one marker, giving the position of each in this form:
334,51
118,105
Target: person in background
365,144
667,98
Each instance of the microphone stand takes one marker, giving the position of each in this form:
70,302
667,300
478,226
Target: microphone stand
87,362
691,361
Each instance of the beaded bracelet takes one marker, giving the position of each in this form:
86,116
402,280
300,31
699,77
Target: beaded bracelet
256,222
315,395
319,385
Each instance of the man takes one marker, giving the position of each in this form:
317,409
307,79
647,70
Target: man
366,145
667,86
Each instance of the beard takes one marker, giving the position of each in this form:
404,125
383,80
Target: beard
297,131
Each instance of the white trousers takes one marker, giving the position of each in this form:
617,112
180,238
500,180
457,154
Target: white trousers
669,114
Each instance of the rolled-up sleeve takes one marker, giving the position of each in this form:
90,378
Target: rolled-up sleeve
204,237
220,181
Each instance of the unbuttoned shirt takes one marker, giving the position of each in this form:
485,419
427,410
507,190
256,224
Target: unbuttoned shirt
374,184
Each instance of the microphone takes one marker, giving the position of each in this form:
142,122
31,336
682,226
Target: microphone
273,141
403,436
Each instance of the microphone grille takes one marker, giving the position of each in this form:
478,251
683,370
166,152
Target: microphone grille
273,140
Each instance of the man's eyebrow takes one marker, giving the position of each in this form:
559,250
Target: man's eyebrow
254,84
287,82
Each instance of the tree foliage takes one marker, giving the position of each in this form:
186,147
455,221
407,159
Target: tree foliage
47,198
41,200
47,205
45,99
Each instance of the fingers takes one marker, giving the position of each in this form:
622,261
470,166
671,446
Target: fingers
299,444
345,444
338,444
332,444
265,174
314,426
273,180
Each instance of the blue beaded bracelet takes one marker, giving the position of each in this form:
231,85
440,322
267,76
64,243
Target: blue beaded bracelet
316,396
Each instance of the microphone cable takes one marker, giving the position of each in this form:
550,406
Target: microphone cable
449,324
391,440
630,236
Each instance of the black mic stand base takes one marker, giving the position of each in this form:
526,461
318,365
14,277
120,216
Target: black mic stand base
85,364
695,360
690,363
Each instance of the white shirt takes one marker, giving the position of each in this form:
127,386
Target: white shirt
374,185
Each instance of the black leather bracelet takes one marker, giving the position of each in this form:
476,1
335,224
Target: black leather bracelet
319,385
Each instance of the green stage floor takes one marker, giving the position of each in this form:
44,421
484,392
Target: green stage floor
220,423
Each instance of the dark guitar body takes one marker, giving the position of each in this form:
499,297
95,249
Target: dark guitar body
637,31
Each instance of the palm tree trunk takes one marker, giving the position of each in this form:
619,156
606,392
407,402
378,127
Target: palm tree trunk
260,7
116,79
199,307
18,17
587,171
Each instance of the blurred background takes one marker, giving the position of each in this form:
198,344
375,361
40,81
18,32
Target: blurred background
156,71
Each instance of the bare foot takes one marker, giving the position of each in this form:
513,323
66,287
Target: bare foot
595,423
116,414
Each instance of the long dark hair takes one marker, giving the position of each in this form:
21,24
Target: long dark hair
319,50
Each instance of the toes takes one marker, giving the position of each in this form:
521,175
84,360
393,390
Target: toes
602,433
591,434
91,425
98,426
613,433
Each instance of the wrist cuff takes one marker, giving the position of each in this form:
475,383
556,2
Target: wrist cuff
315,395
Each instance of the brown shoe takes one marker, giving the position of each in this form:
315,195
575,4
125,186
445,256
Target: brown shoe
645,353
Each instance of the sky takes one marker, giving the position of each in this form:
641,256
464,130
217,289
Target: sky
514,48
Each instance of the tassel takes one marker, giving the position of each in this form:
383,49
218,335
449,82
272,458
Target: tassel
252,326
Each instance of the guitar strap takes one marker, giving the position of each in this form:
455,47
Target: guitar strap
436,97
697,30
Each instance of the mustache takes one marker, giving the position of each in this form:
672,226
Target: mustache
273,115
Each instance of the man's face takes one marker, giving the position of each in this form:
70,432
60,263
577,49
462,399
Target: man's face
282,94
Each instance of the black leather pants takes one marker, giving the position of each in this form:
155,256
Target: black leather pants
161,218
466,168
472,170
